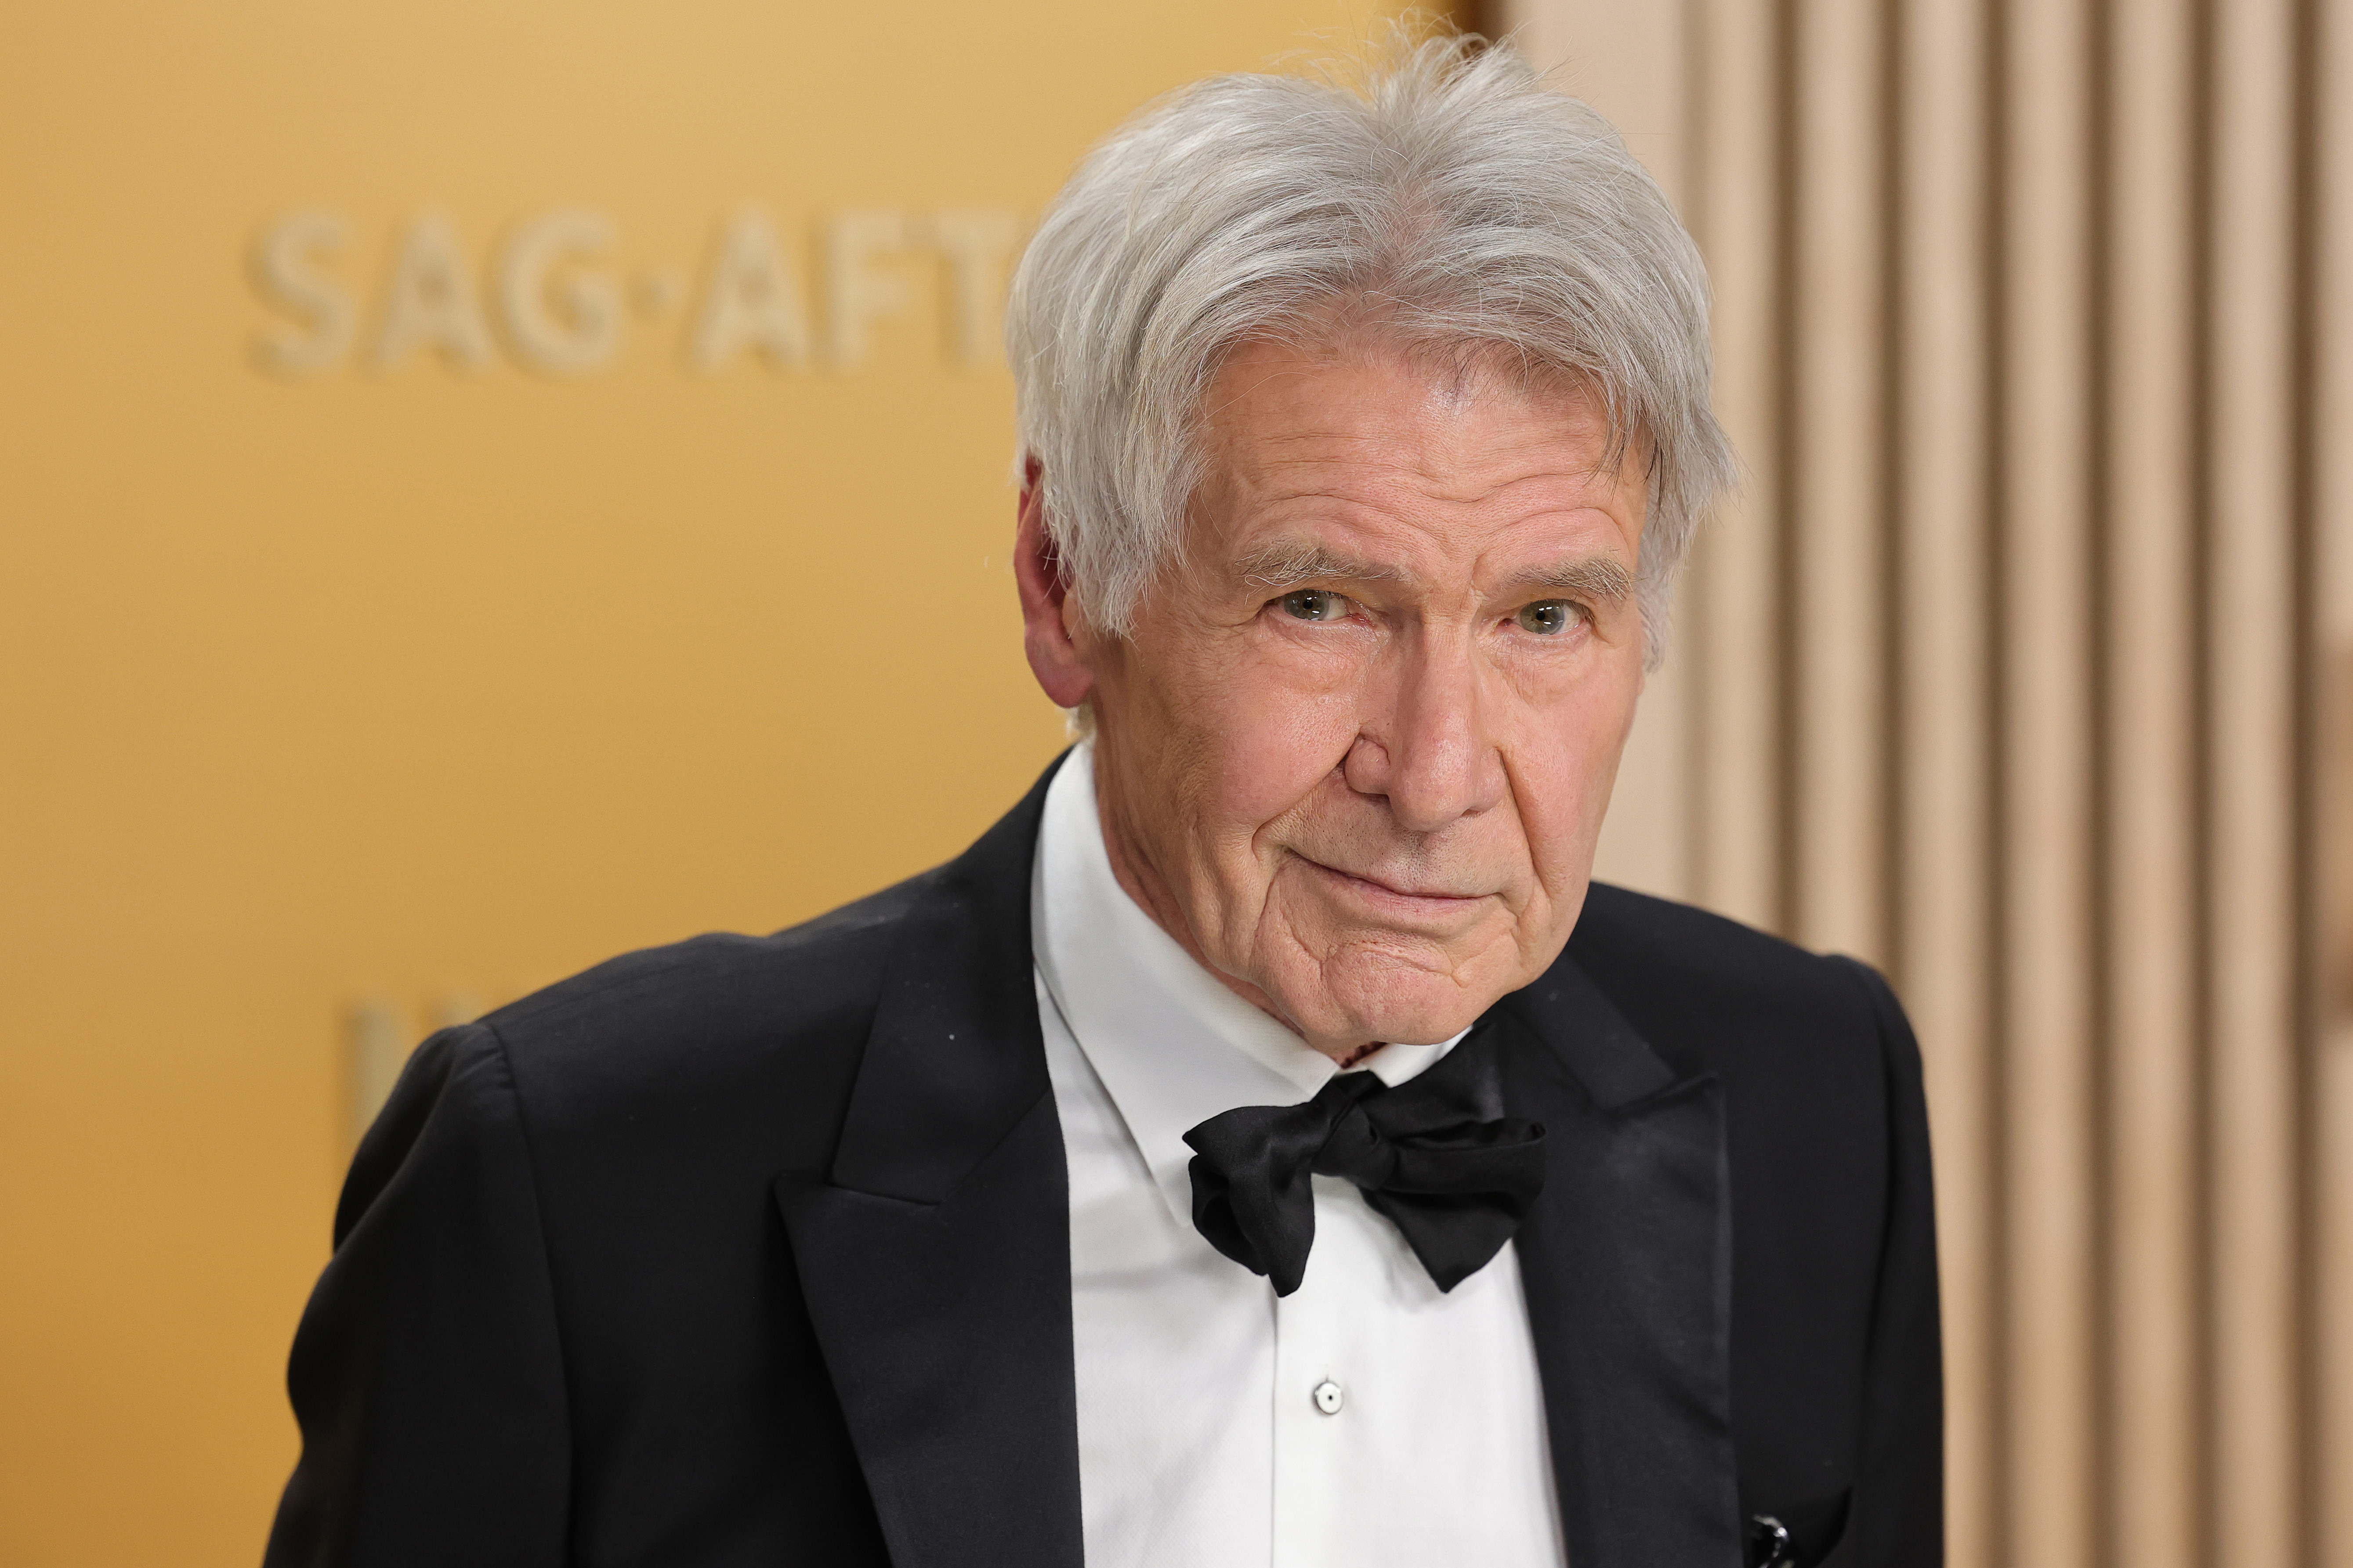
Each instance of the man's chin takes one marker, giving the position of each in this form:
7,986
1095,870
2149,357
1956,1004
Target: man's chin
1357,1000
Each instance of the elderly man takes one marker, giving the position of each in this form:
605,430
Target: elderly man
1264,1146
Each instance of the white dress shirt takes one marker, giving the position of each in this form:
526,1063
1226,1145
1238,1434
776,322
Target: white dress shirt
1365,1419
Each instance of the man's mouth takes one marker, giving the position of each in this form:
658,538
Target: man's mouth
1419,903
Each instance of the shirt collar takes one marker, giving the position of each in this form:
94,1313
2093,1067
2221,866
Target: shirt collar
1171,1044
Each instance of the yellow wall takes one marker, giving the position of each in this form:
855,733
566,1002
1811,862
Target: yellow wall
388,689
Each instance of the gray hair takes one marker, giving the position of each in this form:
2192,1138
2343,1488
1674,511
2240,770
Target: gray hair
1446,186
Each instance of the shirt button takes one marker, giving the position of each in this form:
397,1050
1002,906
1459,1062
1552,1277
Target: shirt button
1329,1397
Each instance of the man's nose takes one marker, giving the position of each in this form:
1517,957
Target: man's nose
1423,744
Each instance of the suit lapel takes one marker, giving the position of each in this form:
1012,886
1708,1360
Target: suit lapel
1627,1264
936,1259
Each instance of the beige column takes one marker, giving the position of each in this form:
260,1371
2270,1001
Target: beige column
2334,333
2151,828
2045,962
1837,540
1944,608
2251,667
1733,633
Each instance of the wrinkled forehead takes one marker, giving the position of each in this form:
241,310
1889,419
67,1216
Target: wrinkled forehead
1277,398
1310,443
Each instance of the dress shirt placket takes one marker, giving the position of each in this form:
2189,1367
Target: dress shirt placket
1327,1392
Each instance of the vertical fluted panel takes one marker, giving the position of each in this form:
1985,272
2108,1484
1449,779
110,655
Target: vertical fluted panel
1841,399
2250,663
1943,892
2331,107
2044,818
1733,613
2153,1498
1999,672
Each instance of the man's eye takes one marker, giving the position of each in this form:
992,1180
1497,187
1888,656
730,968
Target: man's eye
1315,605
1550,617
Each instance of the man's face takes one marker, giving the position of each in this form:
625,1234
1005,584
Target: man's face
1356,752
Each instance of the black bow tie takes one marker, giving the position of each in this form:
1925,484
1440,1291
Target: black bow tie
1430,1155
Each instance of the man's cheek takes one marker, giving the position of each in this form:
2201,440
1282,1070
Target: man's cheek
1275,754
1564,797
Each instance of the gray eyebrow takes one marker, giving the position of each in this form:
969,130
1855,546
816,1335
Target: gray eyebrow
1277,567
1595,577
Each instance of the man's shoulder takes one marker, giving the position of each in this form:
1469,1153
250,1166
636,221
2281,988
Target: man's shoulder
745,1048
714,1014
1707,990
1662,939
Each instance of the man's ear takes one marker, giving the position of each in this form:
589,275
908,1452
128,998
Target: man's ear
1047,614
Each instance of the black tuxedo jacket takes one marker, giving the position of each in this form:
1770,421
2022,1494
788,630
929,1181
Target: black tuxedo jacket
755,1251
